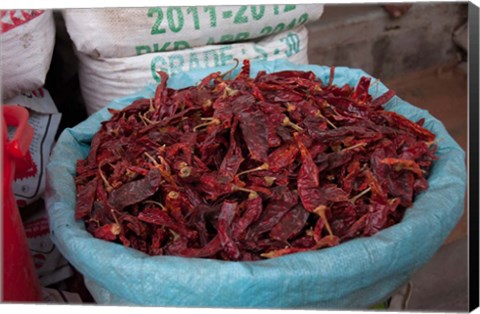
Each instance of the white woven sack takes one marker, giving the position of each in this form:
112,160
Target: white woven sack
126,32
103,80
26,48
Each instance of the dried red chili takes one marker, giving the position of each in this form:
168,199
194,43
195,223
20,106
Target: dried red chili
250,168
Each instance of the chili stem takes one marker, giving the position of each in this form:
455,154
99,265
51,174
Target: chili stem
142,118
356,197
146,119
152,159
214,121
151,108
116,228
114,216
269,180
105,181
231,70
252,195
414,170
156,203
207,103
164,164
320,211
291,107
330,123
174,234
185,171
392,200
319,114
364,167
286,122
264,166
354,146
334,111
239,188
173,195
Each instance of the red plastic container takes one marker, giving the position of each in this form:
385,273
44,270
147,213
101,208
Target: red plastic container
19,278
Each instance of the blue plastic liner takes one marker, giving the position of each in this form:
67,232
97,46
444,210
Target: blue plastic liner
354,275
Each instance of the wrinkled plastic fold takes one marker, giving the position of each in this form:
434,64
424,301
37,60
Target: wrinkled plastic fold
355,274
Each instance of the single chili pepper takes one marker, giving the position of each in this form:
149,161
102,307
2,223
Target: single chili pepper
382,100
158,217
85,199
361,92
376,219
208,250
252,212
135,191
272,214
159,236
291,224
282,157
403,164
252,124
134,224
405,124
225,219
107,232
326,241
233,158
173,204
343,216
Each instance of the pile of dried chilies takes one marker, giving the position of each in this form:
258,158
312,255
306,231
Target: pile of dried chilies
251,168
